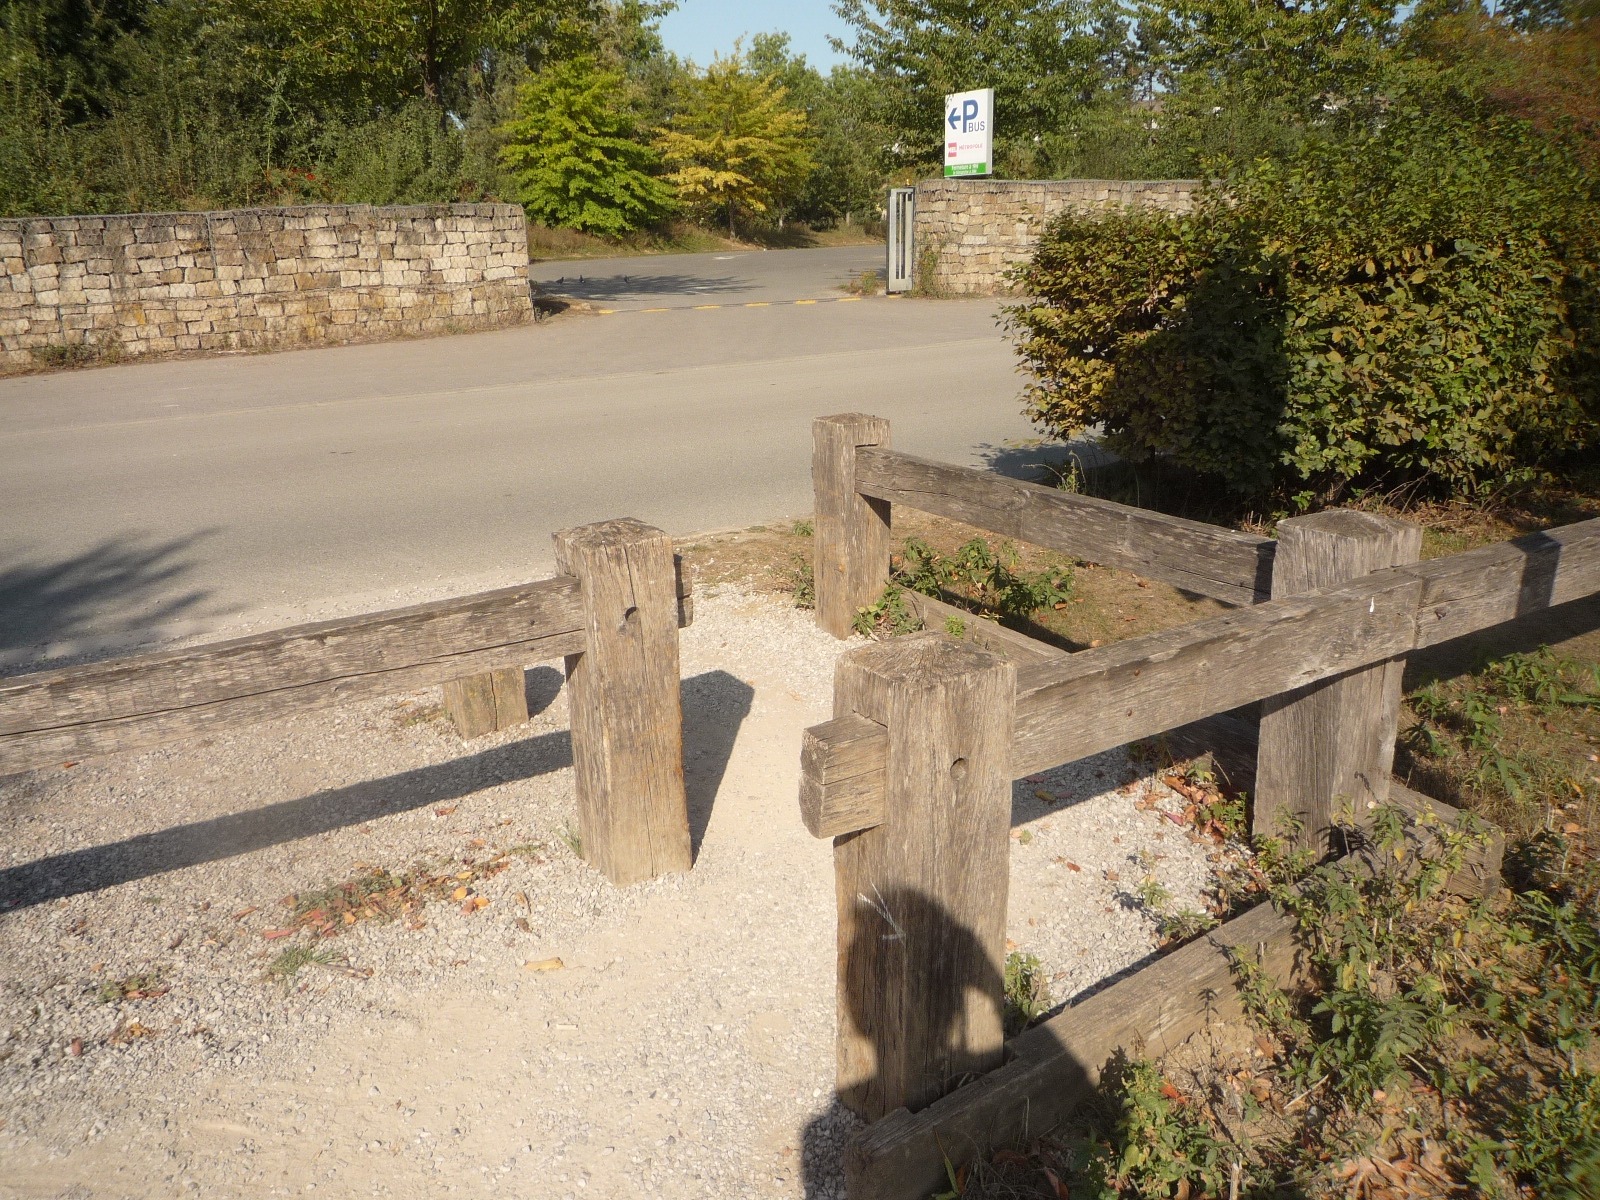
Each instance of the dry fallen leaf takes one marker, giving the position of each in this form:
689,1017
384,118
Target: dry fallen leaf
544,964
459,894
444,812
75,1048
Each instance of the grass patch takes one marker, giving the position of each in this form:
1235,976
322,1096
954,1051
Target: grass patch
288,963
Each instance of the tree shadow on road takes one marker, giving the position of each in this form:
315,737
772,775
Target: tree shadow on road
118,588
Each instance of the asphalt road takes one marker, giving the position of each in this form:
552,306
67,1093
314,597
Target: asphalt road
725,277
158,500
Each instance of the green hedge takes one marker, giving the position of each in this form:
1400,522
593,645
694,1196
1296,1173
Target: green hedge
1413,301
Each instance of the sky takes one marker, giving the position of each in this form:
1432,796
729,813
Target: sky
700,28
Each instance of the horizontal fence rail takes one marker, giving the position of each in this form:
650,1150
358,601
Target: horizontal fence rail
1207,559
613,616
1080,704
139,702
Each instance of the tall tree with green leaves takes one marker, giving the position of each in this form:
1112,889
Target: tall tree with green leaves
1042,57
575,155
735,145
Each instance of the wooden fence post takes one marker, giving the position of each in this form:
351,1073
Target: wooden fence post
852,531
627,719
1329,747
922,897
487,703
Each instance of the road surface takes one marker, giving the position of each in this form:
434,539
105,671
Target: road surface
158,500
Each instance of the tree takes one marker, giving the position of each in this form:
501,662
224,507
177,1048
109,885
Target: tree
1043,58
735,144
575,156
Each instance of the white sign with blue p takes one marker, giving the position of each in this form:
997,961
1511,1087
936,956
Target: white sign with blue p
969,133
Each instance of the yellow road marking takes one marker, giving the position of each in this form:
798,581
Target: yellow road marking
805,301
847,299
605,312
655,310
759,304
703,307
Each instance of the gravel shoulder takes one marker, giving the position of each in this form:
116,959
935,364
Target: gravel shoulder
683,1047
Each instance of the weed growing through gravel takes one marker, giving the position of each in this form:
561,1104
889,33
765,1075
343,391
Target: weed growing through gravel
1027,992
287,964
143,986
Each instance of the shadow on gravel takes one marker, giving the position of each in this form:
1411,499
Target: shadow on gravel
54,604
908,946
714,707
147,854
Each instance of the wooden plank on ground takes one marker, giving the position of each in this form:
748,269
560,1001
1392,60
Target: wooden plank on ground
1207,559
487,703
1054,1068
851,542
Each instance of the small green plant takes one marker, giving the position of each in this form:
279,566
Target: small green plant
801,580
1027,992
289,962
804,527
1184,925
573,841
888,616
1554,1144
955,627
1153,894
1159,1142
982,578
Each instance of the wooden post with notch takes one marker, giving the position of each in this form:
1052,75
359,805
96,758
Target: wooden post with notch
1328,748
487,703
627,718
922,896
852,531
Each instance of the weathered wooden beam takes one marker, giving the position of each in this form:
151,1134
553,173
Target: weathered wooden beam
1107,697
133,703
1081,704
1055,1067
1330,744
851,538
487,703
921,930
1207,559
150,699
843,764
936,614
626,714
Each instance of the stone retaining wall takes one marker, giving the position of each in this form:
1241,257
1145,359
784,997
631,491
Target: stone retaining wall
968,232
102,287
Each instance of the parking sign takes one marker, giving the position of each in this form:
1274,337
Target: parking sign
969,133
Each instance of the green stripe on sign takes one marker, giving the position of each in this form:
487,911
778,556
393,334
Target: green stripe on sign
967,169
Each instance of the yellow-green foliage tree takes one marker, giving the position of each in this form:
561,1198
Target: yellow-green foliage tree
735,145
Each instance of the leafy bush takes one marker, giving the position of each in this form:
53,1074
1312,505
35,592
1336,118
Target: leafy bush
1414,298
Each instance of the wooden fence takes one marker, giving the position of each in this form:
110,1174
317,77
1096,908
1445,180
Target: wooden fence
912,778
613,614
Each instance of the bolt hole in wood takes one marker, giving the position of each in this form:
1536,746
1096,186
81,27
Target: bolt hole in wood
630,616
958,770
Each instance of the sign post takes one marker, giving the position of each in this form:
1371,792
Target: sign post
969,133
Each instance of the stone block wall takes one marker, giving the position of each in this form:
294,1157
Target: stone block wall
251,278
968,232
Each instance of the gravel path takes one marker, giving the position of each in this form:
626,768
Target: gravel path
682,1048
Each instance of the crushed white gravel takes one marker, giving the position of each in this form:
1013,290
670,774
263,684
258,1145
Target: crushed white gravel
683,1048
